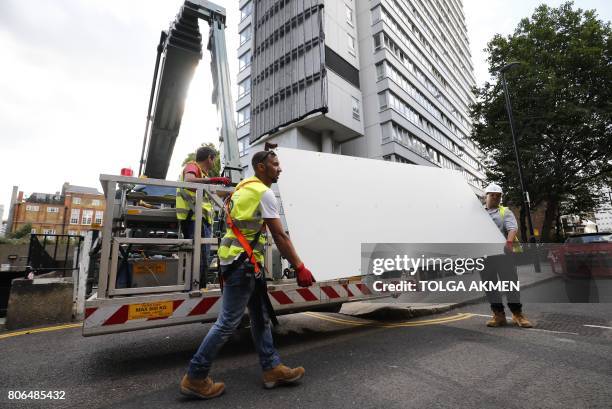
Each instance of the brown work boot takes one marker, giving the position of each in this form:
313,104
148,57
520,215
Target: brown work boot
520,320
498,320
201,388
282,375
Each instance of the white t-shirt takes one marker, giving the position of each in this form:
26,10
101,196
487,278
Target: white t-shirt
269,205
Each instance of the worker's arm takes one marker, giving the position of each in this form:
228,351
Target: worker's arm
509,247
270,214
283,242
510,225
192,178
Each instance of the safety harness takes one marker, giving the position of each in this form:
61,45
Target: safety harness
260,279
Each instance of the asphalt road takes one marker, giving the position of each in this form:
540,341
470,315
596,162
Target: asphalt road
444,361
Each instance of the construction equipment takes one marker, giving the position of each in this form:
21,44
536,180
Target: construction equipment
146,276
179,51
331,205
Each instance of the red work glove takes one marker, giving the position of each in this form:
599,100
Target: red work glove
220,180
304,276
509,247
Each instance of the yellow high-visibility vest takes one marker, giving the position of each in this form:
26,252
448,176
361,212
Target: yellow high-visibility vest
246,215
185,201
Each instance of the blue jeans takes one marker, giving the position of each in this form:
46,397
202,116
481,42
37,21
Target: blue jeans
238,294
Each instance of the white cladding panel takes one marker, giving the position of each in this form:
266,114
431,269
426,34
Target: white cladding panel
333,203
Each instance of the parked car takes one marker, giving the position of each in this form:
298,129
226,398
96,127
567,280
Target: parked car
587,255
602,237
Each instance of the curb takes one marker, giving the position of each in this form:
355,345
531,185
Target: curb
4,330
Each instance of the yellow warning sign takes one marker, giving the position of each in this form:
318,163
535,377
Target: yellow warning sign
150,310
147,267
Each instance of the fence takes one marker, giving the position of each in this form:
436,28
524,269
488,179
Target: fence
52,254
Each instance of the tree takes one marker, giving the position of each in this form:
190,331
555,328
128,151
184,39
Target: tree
561,96
22,232
216,170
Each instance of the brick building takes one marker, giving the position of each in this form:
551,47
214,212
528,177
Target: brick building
74,211
44,211
84,207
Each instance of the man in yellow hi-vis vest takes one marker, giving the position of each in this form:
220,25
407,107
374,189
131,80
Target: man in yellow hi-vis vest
252,207
506,223
197,172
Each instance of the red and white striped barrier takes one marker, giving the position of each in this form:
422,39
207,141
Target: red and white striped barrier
335,292
120,314
126,314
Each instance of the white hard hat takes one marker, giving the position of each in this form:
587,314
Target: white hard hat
493,188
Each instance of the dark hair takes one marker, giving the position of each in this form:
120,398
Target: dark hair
261,157
204,153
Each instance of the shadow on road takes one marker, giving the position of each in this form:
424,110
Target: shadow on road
139,355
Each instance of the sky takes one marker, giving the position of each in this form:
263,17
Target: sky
76,77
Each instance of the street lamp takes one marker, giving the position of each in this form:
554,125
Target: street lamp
526,200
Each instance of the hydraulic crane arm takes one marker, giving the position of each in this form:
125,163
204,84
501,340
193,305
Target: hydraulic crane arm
179,52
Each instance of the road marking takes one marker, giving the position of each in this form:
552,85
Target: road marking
554,332
36,330
370,323
458,317
531,329
375,323
597,326
337,320
534,329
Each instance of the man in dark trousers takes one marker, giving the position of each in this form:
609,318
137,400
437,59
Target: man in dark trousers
503,267
252,207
